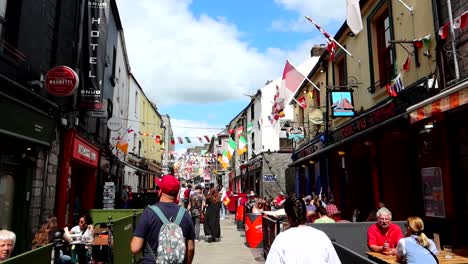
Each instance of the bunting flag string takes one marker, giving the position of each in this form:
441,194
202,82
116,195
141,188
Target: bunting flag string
395,86
459,22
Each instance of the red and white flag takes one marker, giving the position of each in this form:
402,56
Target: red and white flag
331,46
302,102
239,131
292,79
461,21
444,30
353,16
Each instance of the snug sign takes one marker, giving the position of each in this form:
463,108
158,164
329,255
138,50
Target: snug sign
61,81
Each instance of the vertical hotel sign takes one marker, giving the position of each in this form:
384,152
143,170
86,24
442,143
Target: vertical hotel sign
95,57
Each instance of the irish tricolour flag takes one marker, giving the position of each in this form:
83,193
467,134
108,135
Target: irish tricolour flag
242,145
231,148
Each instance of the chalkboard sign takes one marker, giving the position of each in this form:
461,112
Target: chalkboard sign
269,178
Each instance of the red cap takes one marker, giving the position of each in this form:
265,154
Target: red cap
169,185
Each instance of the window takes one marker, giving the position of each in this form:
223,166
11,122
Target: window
381,52
252,112
253,141
384,47
136,102
341,73
3,4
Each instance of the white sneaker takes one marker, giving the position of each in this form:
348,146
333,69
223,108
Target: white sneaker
196,240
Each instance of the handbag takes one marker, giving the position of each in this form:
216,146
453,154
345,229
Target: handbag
226,200
435,257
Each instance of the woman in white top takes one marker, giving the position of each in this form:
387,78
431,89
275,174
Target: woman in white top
83,232
301,243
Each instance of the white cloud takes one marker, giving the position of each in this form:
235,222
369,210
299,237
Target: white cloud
181,58
323,12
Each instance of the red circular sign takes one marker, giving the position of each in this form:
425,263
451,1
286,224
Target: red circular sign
61,81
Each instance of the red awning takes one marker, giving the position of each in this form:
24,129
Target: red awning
455,99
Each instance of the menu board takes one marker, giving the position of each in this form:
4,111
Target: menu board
109,196
433,192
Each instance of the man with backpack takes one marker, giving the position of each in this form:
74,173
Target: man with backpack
165,231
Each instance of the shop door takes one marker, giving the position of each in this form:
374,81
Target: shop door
82,191
15,193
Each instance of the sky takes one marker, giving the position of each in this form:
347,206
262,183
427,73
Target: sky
198,59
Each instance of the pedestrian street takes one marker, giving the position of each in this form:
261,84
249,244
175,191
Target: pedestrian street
231,248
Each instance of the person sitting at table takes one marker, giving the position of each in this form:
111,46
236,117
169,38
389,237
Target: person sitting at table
80,236
384,235
416,248
259,206
322,216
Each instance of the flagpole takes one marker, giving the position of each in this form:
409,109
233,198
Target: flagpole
329,38
345,50
407,6
452,33
305,77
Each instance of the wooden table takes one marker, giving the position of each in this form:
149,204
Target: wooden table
459,256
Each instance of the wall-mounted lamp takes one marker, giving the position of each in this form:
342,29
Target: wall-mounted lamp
341,153
304,92
351,34
312,162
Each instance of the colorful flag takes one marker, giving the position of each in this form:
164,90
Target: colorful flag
331,46
123,145
224,159
302,102
158,139
249,128
200,139
461,21
406,64
180,140
240,130
207,139
172,141
353,16
444,30
231,148
129,131
427,41
242,145
188,140
231,131
292,79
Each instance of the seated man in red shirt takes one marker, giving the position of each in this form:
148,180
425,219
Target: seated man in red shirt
384,235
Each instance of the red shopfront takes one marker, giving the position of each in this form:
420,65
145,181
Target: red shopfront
77,179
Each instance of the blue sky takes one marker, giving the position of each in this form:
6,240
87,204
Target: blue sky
197,58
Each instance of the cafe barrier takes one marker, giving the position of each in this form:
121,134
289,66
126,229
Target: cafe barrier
240,217
271,228
253,230
39,255
348,256
123,224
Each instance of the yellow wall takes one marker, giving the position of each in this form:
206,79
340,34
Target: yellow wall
406,26
150,122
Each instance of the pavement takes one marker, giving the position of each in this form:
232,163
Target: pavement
231,248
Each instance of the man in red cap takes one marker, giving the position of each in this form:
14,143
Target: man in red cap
149,225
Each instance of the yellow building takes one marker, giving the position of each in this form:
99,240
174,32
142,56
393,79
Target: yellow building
151,141
366,145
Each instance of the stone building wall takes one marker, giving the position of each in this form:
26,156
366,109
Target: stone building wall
274,164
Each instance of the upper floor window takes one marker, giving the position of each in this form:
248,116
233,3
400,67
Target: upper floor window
252,112
341,73
3,4
381,51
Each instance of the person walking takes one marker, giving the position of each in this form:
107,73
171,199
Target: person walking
212,226
301,243
147,232
195,207
222,195
416,248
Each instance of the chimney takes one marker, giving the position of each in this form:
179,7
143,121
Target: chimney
317,50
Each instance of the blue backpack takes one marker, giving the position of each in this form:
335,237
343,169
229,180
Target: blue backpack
171,241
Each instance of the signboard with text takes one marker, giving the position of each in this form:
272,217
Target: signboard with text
61,81
84,152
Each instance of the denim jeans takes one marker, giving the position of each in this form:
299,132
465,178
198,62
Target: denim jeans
196,224
222,212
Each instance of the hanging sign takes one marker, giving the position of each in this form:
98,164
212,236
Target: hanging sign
95,36
114,124
61,81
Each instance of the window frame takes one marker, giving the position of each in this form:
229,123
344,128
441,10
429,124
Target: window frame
374,15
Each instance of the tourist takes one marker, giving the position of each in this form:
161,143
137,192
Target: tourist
416,248
7,244
384,235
